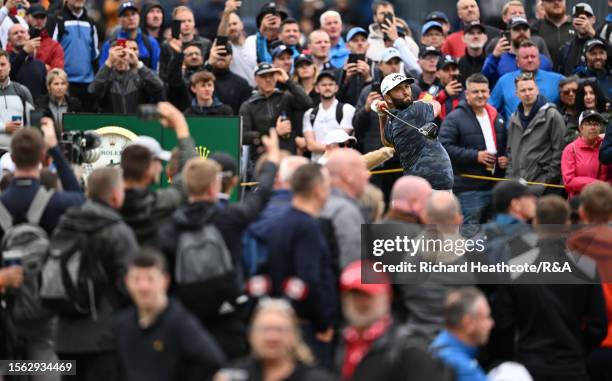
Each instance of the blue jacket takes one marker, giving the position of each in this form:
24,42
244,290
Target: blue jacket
462,137
79,38
338,55
149,58
459,356
494,67
504,96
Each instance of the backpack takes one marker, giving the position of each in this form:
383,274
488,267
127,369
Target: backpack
204,271
339,113
29,242
74,279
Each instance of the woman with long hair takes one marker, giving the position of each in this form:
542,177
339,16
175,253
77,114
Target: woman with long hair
305,75
588,97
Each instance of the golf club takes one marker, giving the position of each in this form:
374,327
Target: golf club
429,130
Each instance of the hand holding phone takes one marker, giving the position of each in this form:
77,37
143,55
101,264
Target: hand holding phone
176,29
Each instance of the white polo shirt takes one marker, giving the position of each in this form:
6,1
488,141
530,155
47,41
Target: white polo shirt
326,121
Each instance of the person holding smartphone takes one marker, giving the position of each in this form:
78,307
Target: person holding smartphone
50,52
25,68
571,53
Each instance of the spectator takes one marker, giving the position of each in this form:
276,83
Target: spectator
567,106
58,102
320,45
152,19
277,348
266,107
372,201
572,51
439,17
330,114
432,34
419,155
408,203
88,338
468,11
550,328
336,138
555,28
596,211
515,8
504,96
301,255
26,69
50,52
185,62
588,97
475,138
290,35
282,58
539,12
129,21
355,75
125,82
268,27
475,38
305,75
596,57
450,92
468,322
580,161
189,352
375,346
245,56
7,22
202,184
349,176
527,153
18,102
80,42
188,35
331,23
204,103
229,176
428,61
376,38
145,209
503,58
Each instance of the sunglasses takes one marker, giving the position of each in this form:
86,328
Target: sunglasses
347,144
569,91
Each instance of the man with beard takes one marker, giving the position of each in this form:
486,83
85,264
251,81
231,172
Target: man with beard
570,55
152,20
25,68
186,60
503,58
596,57
420,155
231,25
475,38
555,28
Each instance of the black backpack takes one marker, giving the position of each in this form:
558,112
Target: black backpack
339,113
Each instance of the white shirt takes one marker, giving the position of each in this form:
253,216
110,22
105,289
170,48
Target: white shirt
326,121
244,60
6,24
487,132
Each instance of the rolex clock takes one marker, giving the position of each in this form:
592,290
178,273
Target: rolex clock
113,140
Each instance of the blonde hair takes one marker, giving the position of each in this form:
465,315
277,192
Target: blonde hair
181,8
301,352
199,174
56,73
510,3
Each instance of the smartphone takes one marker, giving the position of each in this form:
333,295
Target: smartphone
388,18
454,77
376,87
222,41
121,42
34,33
176,29
506,35
354,57
35,117
579,10
11,258
16,118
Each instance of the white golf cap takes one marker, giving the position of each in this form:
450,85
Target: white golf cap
390,53
6,164
392,80
153,146
337,135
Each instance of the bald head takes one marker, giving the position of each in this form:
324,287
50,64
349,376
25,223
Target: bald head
288,166
18,35
443,208
468,10
348,171
410,195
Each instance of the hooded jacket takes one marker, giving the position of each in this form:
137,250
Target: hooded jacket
216,108
143,20
114,242
167,54
462,137
534,153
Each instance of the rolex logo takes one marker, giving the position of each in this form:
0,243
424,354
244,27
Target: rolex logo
202,151
112,141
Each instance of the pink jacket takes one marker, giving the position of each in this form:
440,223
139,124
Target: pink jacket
580,166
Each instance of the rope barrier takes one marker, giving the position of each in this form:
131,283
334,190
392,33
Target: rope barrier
467,176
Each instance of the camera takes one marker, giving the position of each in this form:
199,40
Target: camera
80,146
148,112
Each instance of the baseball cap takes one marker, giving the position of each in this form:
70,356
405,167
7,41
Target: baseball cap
280,49
226,161
350,279
505,191
518,21
590,114
270,9
337,135
474,24
447,60
328,74
127,6
392,80
36,10
153,146
437,16
388,54
587,8
431,24
265,68
429,50
6,164
592,43
302,58
355,31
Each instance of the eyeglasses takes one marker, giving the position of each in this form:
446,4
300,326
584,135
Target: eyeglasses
591,123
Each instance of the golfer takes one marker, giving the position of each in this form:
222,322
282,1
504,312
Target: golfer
420,155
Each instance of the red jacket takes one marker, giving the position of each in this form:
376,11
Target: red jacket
50,51
454,45
580,166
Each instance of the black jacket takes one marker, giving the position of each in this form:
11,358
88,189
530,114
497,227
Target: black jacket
462,137
469,65
217,108
167,54
43,105
174,347
569,56
230,88
252,370
396,354
30,72
605,151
